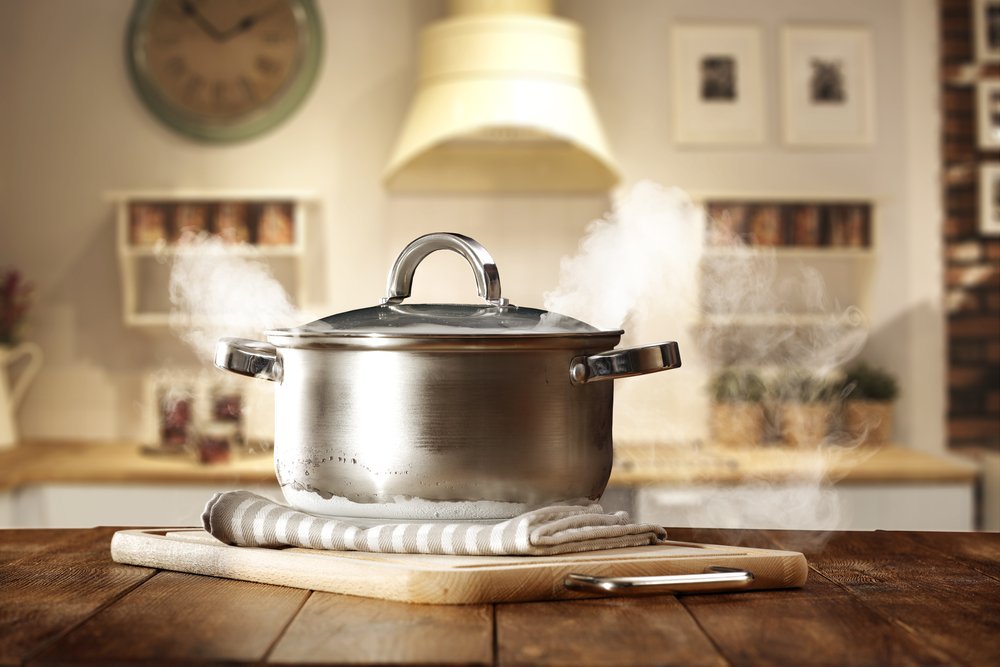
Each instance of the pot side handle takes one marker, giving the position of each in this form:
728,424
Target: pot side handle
624,363
252,358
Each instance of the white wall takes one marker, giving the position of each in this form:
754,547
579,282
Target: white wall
71,128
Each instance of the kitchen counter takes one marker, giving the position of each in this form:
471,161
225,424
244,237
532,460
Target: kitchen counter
71,484
641,464
67,461
877,598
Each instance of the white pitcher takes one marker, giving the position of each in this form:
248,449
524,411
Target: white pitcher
11,395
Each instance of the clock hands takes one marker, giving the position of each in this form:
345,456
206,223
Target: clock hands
251,20
191,11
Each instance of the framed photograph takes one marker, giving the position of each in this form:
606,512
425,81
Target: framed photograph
989,199
827,85
988,114
718,84
986,23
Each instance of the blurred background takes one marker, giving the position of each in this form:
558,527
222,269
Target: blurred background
836,246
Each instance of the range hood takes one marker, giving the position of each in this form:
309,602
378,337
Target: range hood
502,106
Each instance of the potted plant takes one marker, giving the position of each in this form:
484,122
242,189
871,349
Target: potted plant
806,407
15,299
737,412
868,393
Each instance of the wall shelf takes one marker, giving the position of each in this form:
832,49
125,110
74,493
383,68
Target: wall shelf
799,239
849,318
791,252
155,227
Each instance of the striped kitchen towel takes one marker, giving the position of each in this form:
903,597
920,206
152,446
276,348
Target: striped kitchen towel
246,519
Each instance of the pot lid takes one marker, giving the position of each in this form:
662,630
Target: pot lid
442,320
393,319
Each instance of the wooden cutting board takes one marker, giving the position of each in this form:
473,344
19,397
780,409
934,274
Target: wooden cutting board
434,579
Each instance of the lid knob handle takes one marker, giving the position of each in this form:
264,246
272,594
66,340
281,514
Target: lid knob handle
401,275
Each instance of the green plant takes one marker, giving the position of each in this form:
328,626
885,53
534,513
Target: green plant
15,297
733,386
802,386
864,382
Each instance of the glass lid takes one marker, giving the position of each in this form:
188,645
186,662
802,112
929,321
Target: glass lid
495,317
441,320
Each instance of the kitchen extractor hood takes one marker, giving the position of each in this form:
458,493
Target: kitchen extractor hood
501,106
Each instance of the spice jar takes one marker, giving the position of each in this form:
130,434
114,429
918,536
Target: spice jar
175,419
215,442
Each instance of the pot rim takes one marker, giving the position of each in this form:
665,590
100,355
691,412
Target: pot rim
453,342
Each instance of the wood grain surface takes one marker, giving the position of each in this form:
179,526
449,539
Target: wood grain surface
383,631
184,617
612,631
908,584
878,598
56,586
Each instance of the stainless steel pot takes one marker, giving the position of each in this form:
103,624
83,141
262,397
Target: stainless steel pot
434,411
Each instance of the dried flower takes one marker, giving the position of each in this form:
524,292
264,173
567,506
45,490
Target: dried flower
15,298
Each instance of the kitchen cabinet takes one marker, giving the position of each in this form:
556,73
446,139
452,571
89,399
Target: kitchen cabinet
154,228
67,483
68,505
867,506
888,488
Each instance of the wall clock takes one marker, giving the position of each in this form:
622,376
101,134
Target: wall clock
223,70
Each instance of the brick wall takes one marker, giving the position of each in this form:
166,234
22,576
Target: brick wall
972,261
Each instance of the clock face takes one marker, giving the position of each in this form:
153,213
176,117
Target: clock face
223,70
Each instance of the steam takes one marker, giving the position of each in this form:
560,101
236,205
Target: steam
649,244
221,289
644,266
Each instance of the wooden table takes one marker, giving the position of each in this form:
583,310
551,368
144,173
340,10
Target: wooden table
880,598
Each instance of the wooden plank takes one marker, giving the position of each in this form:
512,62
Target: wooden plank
343,629
177,617
979,551
818,624
615,631
18,543
822,614
52,587
939,600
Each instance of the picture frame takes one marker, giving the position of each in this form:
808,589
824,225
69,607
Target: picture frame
827,86
718,84
988,114
986,24
989,198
